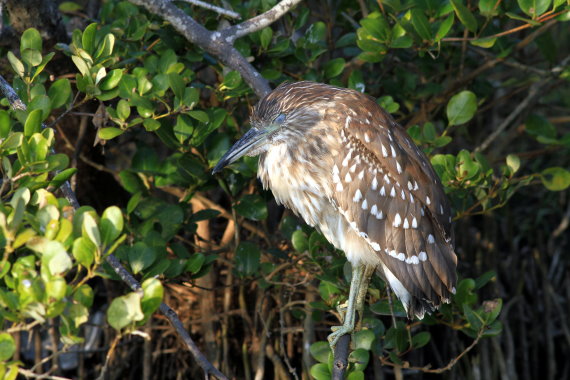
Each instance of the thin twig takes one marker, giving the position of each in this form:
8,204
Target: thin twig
259,22
28,373
523,106
427,368
222,11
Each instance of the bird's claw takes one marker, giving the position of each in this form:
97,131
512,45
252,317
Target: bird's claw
337,333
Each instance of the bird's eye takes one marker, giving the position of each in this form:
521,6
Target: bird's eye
279,119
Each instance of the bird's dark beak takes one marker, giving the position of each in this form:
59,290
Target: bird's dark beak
251,140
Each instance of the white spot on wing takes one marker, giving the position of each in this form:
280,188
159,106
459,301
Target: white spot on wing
364,204
357,196
393,192
384,151
339,187
375,246
383,191
353,168
347,178
414,223
361,175
366,138
431,239
374,183
386,179
403,195
406,224
401,256
374,209
398,167
347,158
422,256
393,150
397,220
410,186
428,201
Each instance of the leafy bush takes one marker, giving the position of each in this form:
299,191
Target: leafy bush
458,76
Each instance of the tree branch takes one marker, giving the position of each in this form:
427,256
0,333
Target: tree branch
222,11
259,22
212,42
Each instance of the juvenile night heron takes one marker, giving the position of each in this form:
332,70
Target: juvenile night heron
339,161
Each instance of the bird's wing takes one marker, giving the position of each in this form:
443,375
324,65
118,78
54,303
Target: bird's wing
389,193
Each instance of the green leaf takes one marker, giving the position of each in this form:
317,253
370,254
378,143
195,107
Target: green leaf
195,262
488,8
247,258
555,178
467,168
464,15
84,251
421,24
320,351
513,162
364,339
55,257
534,8
265,37
31,39
16,64
84,295
7,346
32,57
334,67
88,38
90,229
355,375
56,288
421,339
111,224
123,109
152,298
59,93
359,358
231,81
461,108
111,80
539,126
33,123
140,256
109,133
151,124
69,7
199,115
486,43
252,206
300,241
62,176
320,371
124,311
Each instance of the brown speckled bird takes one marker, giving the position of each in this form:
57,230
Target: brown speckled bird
339,161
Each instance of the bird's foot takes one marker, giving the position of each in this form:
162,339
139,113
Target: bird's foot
338,332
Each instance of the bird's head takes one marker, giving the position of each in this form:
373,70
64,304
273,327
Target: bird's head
282,116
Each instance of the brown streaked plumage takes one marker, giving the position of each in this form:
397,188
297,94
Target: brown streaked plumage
339,161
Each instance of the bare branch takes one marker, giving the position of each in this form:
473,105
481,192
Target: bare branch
259,22
212,42
222,11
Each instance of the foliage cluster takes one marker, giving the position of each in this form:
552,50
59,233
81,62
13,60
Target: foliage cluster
461,69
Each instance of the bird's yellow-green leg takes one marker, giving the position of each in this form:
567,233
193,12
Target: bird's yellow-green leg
350,315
